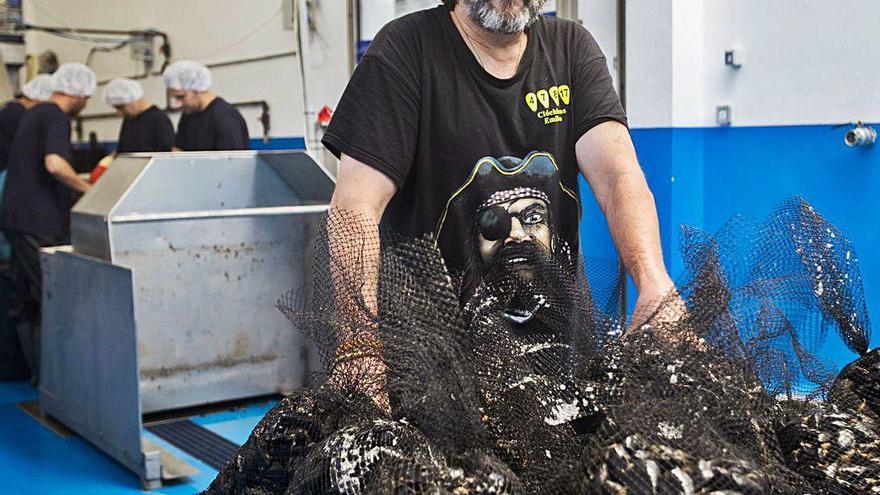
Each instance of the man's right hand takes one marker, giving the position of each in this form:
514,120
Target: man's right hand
59,168
362,193
368,373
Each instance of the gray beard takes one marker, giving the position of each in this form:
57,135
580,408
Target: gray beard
491,19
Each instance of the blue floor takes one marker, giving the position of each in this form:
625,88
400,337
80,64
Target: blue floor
35,460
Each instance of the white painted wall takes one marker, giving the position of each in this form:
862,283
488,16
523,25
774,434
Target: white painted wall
328,49
807,61
688,34
404,7
376,13
212,31
600,18
649,63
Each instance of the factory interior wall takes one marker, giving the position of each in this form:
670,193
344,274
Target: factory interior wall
799,78
600,18
211,31
376,13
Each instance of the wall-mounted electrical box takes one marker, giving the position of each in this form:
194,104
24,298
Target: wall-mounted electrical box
734,57
723,115
141,48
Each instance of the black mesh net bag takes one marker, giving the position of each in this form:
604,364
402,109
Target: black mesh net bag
511,378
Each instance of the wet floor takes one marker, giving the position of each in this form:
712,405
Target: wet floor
36,460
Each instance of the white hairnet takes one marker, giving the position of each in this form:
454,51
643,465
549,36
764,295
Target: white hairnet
74,79
186,75
40,88
122,91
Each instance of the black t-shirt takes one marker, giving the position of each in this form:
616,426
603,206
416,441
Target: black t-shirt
10,116
34,202
218,127
457,140
150,130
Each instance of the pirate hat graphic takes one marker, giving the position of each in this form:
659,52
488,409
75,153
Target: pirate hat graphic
493,181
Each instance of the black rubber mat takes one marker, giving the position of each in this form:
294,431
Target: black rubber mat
199,442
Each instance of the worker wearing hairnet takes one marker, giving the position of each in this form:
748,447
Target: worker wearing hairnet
144,126
35,209
208,122
36,90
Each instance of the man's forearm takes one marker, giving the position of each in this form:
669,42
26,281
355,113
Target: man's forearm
632,218
74,182
65,174
360,198
608,161
353,235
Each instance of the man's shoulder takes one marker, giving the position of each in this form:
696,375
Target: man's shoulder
224,114
219,105
42,114
12,107
223,108
48,110
159,119
560,24
155,113
557,30
153,118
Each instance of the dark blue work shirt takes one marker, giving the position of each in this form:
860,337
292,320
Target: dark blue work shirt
218,127
10,117
151,130
35,202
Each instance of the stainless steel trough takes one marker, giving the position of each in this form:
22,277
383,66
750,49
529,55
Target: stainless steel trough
165,297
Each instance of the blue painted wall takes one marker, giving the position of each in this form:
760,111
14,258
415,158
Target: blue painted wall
279,143
703,176
275,143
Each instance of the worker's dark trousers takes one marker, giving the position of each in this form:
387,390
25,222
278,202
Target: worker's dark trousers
24,303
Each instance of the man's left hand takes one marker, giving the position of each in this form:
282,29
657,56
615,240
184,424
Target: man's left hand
664,311
656,303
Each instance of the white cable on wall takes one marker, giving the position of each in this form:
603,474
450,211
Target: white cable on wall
297,28
233,44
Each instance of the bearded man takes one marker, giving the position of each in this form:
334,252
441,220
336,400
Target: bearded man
441,88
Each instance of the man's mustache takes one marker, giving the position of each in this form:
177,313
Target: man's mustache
531,252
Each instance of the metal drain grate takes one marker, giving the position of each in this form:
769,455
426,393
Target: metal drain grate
199,442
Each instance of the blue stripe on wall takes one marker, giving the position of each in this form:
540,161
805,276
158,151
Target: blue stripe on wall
279,143
275,143
704,176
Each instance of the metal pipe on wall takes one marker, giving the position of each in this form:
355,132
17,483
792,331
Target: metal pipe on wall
265,117
164,49
225,63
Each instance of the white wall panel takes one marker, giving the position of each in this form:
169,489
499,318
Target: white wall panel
211,31
649,62
806,61
600,18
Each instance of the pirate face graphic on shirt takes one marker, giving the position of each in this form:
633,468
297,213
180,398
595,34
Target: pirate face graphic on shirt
514,233
516,284
508,207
